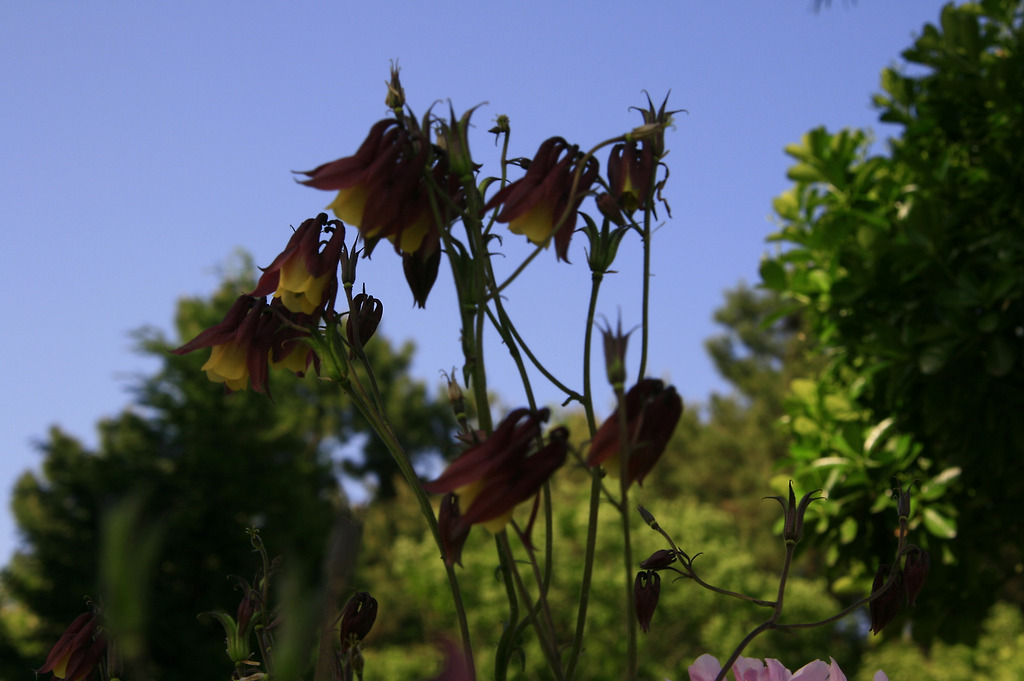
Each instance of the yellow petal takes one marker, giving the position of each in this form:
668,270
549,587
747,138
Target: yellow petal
536,224
348,205
227,364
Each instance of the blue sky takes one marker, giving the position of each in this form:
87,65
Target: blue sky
142,143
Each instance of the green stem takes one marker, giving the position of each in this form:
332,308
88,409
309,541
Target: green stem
624,481
545,638
382,426
595,488
646,297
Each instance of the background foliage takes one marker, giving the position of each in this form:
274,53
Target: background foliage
909,271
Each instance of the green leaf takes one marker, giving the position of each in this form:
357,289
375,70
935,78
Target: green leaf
848,531
773,274
805,172
938,524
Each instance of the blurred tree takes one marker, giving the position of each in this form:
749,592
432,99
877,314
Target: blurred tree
726,452
909,270
202,466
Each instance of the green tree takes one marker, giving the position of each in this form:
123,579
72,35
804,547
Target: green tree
909,269
201,466
726,452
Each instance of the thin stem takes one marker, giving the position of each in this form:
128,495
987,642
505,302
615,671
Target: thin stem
546,639
503,654
624,481
595,488
646,297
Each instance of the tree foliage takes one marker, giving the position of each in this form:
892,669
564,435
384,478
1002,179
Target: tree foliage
909,269
194,468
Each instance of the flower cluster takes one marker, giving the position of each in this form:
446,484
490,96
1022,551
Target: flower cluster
707,668
897,585
302,280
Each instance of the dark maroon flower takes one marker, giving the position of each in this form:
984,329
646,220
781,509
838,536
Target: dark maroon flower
886,606
77,653
357,619
241,344
652,412
659,560
646,590
363,319
536,204
915,571
494,476
304,277
631,169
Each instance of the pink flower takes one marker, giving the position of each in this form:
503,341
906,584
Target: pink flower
707,668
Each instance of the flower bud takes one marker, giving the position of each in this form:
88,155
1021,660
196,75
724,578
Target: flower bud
886,606
647,516
363,319
357,619
915,571
615,343
793,529
659,560
646,589
395,99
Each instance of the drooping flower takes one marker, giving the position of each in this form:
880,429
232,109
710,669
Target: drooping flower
542,203
240,343
494,476
357,619
915,571
707,668
886,606
304,277
78,651
383,190
646,590
652,412
631,169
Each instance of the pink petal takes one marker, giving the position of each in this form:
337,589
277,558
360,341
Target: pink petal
706,668
835,673
812,671
880,676
776,671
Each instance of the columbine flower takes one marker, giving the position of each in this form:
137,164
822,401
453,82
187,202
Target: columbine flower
381,189
915,571
78,651
303,277
646,589
707,668
357,619
652,412
887,605
534,204
241,343
493,477
631,174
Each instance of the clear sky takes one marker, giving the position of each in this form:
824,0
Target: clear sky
142,143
